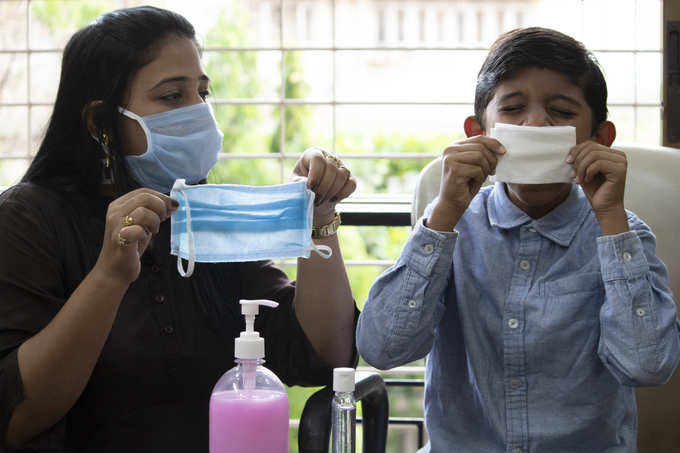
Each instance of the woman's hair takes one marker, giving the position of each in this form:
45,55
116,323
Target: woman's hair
537,47
99,62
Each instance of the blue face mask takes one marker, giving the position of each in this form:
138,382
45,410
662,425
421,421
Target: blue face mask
227,222
180,144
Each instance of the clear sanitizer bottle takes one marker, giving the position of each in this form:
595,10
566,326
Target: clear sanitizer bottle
249,408
343,411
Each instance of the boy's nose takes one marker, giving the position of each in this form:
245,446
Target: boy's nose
537,117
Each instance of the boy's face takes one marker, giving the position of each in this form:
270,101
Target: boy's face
539,97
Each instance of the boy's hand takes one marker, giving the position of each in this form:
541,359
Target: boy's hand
465,167
601,171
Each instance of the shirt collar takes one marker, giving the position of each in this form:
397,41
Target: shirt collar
559,225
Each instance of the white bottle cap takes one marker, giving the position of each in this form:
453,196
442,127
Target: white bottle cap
343,379
250,345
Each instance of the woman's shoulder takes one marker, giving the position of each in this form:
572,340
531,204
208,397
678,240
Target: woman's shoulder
38,199
32,205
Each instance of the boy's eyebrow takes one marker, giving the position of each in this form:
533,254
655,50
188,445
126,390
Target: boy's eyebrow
505,97
566,98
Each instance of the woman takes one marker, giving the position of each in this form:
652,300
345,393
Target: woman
103,346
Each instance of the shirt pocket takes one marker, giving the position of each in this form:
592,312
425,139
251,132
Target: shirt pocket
572,304
569,324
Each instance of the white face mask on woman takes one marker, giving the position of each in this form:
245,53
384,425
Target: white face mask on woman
181,143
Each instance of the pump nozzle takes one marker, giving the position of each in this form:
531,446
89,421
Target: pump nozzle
250,345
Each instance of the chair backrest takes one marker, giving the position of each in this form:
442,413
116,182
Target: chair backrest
653,193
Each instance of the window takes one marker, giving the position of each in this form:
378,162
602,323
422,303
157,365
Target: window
400,25
381,26
345,80
440,25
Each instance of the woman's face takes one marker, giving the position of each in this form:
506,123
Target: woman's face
174,79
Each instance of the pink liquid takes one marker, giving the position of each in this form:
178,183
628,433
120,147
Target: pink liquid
249,421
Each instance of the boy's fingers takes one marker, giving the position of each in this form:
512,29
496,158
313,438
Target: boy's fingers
604,160
472,158
491,143
474,148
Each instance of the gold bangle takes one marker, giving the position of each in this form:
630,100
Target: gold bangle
327,230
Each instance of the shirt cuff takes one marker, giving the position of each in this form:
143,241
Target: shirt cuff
427,249
622,256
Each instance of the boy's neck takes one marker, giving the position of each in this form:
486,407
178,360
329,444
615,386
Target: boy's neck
537,200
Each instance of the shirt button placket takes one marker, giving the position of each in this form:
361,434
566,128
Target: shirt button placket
516,321
168,330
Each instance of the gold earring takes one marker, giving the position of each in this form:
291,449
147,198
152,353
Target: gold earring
107,173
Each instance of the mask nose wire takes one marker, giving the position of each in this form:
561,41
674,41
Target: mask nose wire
190,238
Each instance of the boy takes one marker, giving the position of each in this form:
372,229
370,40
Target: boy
546,304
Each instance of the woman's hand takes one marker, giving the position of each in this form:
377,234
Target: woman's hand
130,222
328,178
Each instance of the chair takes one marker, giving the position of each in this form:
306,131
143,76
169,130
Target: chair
315,421
653,193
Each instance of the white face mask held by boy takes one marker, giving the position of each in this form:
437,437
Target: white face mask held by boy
535,155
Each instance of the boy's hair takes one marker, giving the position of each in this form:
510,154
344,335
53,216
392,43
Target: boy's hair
542,48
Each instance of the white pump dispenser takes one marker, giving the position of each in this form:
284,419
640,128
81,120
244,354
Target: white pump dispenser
250,345
249,397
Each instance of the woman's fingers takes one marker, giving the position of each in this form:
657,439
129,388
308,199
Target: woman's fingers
146,218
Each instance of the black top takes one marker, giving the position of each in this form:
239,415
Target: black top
171,341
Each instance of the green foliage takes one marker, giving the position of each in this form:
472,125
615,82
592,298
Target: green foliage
386,175
57,15
296,119
234,75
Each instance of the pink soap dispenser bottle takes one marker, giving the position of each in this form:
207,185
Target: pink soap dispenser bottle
249,408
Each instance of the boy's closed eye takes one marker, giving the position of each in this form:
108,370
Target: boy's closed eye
511,108
565,113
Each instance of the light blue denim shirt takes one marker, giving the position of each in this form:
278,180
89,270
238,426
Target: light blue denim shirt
537,329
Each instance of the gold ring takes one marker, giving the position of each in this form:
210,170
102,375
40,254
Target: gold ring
122,241
333,159
128,220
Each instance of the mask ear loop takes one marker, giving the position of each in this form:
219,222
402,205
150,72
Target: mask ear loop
190,238
323,251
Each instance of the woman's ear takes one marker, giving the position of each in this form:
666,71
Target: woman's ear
605,133
472,127
89,115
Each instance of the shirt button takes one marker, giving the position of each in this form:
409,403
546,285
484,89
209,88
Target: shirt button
428,249
168,330
532,230
412,303
513,323
515,384
524,265
627,256
159,298
640,312
155,268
